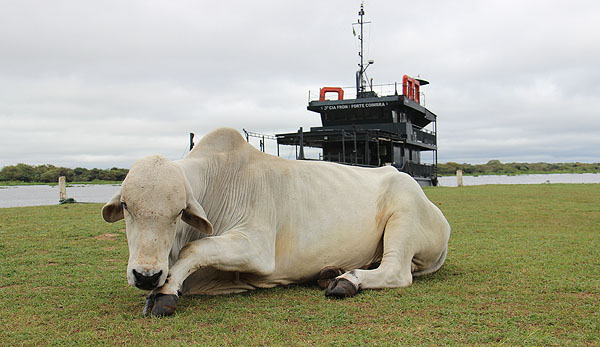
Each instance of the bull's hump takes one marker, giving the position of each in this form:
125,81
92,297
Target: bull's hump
220,140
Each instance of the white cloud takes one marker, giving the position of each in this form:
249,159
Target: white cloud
103,83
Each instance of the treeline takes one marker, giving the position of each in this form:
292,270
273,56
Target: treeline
495,167
50,173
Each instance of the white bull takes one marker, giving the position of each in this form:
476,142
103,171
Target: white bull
252,220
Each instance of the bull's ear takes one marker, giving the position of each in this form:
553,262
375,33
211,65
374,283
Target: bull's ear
195,216
113,211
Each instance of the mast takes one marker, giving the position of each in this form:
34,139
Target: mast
361,73
361,13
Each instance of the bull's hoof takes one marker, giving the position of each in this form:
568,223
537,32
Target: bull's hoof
164,305
341,288
328,274
149,304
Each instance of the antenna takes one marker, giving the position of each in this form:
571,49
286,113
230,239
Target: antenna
361,73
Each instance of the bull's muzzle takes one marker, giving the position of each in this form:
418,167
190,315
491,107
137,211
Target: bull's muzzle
145,280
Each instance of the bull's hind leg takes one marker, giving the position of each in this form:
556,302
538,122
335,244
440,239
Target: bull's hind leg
394,270
327,275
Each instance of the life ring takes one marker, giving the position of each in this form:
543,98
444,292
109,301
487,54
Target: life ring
338,90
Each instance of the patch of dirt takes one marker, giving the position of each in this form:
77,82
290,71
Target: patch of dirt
583,295
15,285
104,237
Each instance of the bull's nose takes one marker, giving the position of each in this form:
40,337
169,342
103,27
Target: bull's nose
146,281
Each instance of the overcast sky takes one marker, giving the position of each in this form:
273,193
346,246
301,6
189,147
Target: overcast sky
103,83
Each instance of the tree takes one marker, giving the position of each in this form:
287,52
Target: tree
82,174
19,172
52,175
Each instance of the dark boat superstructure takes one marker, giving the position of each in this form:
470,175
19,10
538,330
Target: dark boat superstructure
373,130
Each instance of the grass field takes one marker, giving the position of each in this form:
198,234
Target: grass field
523,269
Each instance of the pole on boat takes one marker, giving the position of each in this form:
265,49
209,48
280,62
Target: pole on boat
361,73
361,13
301,133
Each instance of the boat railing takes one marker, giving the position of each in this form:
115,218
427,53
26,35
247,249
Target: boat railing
420,170
350,92
424,135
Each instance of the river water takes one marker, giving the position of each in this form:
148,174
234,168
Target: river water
451,181
14,196
46,195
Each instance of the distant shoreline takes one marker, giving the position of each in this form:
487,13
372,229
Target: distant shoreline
24,174
99,182
520,173
22,183
495,167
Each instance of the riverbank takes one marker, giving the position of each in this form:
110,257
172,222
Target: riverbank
451,181
519,173
495,167
521,270
22,183
37,195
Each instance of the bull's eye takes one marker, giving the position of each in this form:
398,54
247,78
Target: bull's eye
124,204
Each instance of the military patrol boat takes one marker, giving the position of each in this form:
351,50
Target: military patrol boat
379,125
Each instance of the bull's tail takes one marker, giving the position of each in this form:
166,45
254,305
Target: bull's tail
436,266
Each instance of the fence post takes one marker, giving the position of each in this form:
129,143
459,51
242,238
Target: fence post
62,188
459,178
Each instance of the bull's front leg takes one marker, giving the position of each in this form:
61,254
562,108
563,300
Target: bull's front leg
235,250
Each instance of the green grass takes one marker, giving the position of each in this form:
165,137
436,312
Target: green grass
523,269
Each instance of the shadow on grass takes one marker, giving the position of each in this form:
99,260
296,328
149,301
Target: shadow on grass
446,273
190,303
